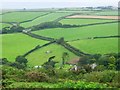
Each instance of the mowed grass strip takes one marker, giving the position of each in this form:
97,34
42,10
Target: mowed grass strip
20,16
93,46
80,32
40,56
77,21
17,44
46,18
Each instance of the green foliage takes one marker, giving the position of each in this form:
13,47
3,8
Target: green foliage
12,29
67,84
18,65
21,60
4,61
11,75
81,85
118,64
47,25
101,77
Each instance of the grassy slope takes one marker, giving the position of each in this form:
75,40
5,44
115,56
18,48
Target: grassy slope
80,32
46,18
17,44
20,16
82,21
39,57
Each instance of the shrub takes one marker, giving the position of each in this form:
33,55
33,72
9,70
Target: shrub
21,60
18,65
36,76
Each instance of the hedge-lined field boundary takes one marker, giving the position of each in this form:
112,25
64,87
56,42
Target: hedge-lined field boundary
39,37
37,47
99,37
52,40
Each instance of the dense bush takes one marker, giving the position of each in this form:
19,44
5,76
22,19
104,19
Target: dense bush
66,84
11,75
102,77
4,61
18,65
46,25
36,76
21,60
12,29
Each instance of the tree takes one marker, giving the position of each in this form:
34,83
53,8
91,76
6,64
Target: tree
118,64
21,60
18,65
50,63
64,58
4,61
83,61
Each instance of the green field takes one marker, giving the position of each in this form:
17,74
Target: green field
39,57
17,44
100,46
103,46
46,18
20,16
80,32
108,13
78,21
2,25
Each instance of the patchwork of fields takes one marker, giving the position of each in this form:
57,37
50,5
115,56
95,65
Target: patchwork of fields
18,43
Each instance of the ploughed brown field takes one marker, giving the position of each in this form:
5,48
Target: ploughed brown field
100,17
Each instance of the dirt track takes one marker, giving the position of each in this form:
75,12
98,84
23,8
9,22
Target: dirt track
100,17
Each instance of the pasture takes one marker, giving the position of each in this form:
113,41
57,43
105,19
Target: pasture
80,32
20,16
46,18
40,56
102,46
17,44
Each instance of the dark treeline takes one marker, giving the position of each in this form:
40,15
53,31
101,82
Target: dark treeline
45,25
41,26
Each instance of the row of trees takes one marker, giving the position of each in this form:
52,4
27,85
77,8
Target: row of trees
17,28
20,62
52,24
12,29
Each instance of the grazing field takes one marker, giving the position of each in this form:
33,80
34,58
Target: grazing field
80,32
40,56
17,44
102,46
46,18
81,21
20,16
